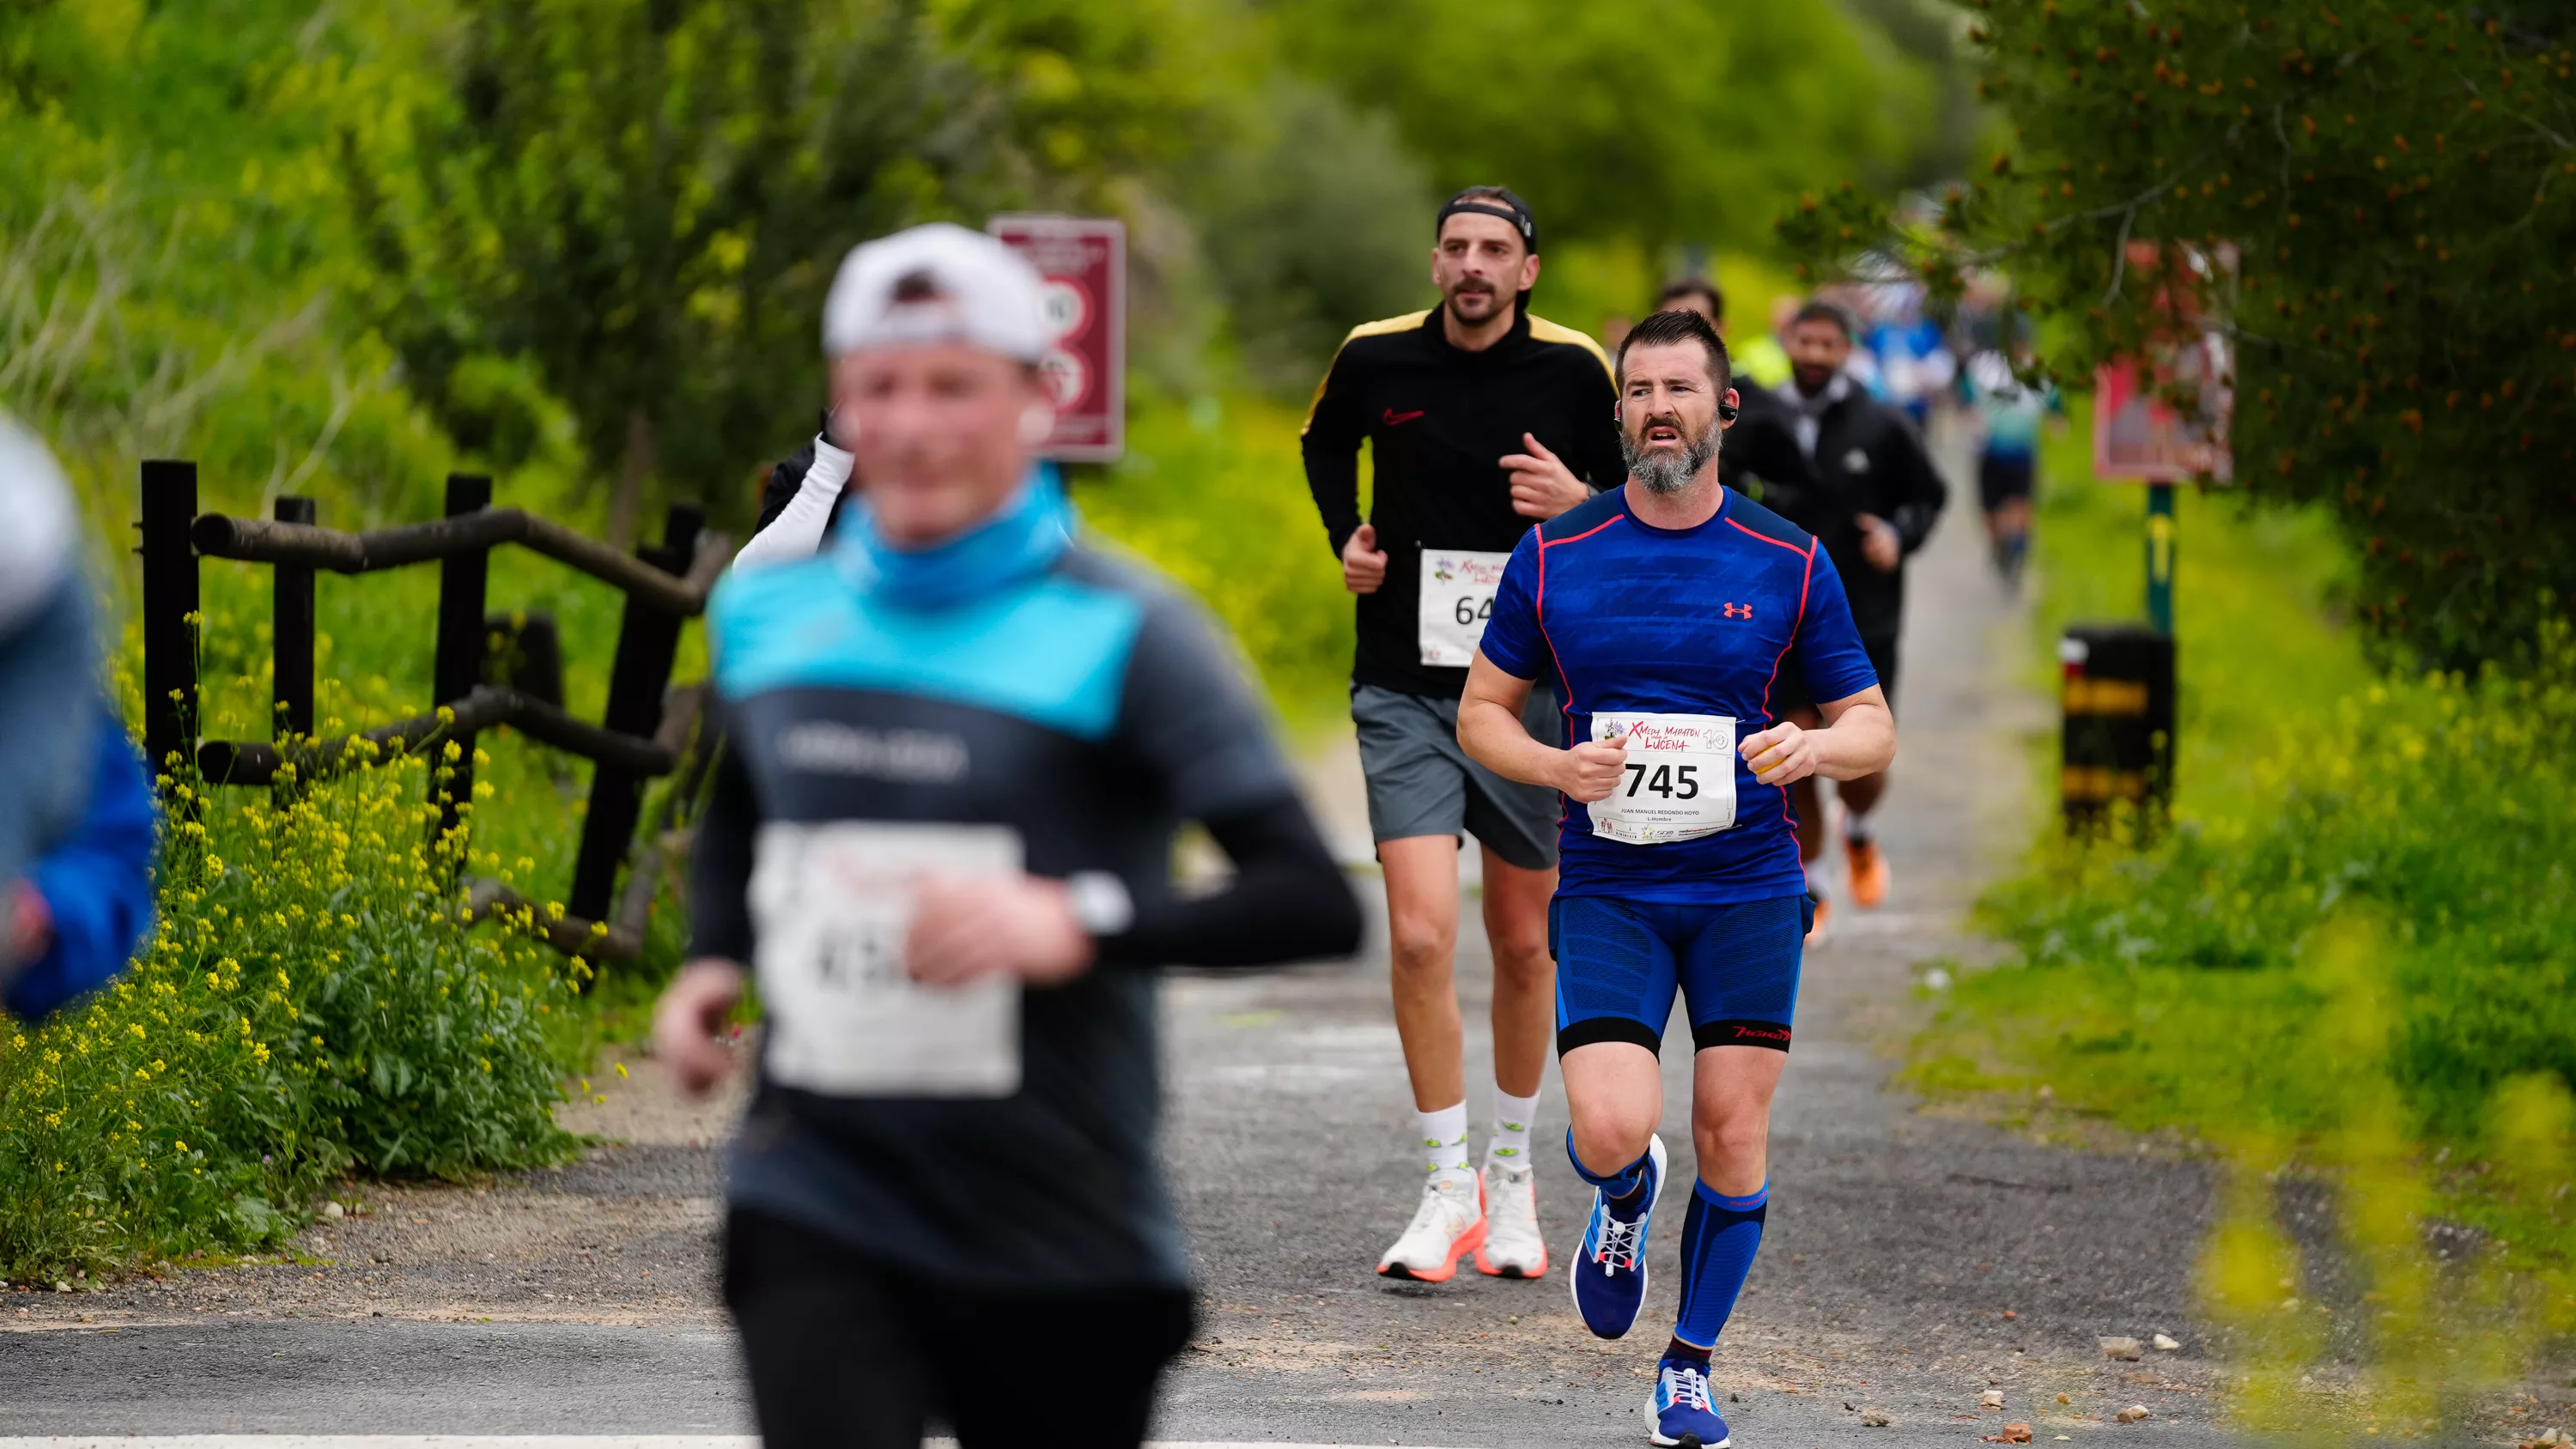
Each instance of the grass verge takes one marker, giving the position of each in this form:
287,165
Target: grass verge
2353,955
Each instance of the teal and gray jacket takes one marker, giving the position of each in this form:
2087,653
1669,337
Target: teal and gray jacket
1010,676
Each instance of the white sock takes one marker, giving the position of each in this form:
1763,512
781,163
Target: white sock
1444,1144
1816,878
1512,1118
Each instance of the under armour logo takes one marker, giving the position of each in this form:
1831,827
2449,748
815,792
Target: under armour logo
1739,611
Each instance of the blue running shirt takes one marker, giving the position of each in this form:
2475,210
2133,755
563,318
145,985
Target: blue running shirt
1618,615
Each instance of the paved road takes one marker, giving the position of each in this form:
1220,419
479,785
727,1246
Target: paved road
1911,1262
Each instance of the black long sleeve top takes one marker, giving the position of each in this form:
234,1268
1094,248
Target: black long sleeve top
1439,421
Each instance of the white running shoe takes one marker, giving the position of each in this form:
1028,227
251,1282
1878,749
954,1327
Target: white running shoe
1512,1246
1448,1226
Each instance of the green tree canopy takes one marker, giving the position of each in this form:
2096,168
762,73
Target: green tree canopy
647,202
2397,185
1691,121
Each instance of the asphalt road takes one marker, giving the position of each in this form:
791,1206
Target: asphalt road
1911,1262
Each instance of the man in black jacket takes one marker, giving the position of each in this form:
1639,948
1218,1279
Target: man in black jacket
1481,420
1873,500
1761,459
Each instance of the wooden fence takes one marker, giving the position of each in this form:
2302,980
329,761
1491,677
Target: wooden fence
648,729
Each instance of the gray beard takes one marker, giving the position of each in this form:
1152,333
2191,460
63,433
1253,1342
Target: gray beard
1664,472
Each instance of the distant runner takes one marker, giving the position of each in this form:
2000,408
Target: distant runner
1480,419
958,745
1663,613
2010,414
1876,498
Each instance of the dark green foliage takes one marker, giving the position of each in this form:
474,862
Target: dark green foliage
1689,122
647,202
2398,186
1318,221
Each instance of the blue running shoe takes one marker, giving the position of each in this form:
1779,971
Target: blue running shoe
1682,1410
1609,1270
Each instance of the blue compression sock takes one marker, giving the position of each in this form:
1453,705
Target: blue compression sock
1719,1237
1624,1183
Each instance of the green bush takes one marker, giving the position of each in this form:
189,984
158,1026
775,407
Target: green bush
309,1003
2445,810
1213,493
2357,939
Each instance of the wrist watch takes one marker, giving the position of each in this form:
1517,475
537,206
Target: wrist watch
1101,905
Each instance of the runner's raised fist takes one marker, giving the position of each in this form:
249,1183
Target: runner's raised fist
1592,769
965,930
1363,562
1542,486
689,1032
1780,754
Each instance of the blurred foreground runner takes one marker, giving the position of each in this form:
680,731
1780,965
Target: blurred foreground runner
48,700
959,745
1663,613
1875,499
1479,419
76,918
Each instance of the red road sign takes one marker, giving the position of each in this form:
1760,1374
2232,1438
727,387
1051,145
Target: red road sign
1084,261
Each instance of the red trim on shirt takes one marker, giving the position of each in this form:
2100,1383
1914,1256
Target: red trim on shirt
1805,581
1538,607
1809,550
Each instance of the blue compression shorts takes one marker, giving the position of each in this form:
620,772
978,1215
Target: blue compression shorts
1618,963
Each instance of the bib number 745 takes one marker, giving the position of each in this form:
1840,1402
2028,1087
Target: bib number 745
1680,782
1673,782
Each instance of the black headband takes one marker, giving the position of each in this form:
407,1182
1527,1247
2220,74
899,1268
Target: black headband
1506,206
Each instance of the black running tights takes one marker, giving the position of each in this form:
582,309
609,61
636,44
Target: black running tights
845,1353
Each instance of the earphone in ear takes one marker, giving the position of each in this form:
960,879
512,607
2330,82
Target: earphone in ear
1727,411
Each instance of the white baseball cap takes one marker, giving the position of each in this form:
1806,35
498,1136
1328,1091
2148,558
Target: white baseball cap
936,283
37,546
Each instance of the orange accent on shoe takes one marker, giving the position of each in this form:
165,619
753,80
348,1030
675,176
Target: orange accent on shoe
1868,872
1470,1241
1486,1267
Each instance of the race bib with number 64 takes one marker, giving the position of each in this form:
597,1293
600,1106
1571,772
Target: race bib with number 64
1680,780
832,902
1457,598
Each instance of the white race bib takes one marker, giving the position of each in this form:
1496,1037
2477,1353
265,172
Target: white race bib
831,903
1680,783
1457,598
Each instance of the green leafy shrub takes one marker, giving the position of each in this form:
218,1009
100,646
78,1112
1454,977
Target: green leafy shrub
1214,494
309,1003
2444,808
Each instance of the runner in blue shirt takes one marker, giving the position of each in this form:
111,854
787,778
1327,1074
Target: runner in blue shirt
1664,613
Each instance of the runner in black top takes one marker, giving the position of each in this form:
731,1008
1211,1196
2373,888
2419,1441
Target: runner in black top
1761,460
1481,420
1876,497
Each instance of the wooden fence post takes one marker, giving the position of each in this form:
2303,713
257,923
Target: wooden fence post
459,665
647,639
170,604
291,628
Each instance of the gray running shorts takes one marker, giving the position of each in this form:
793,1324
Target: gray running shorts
1421,783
